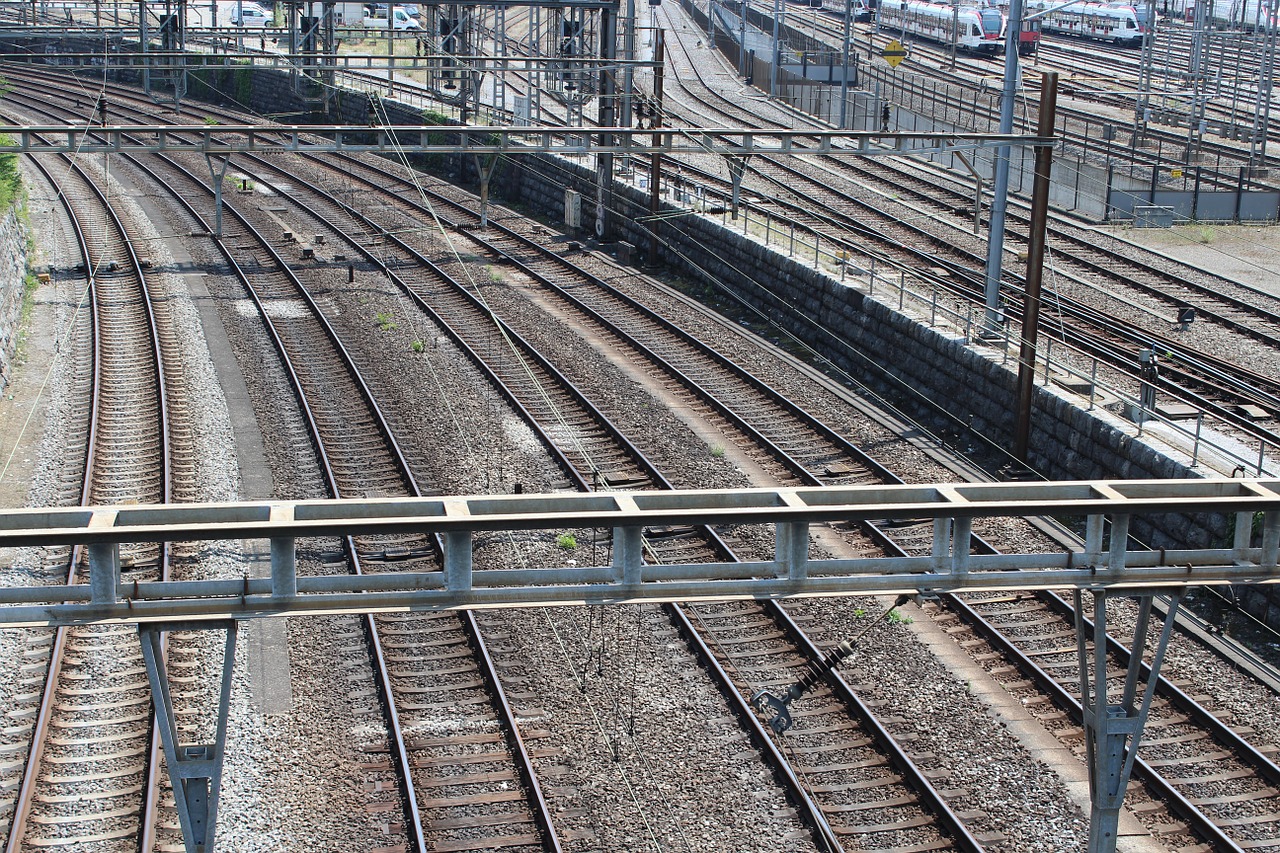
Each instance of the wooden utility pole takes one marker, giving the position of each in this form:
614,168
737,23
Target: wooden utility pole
655,162
1035,266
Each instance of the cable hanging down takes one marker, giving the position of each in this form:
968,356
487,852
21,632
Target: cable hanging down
775,708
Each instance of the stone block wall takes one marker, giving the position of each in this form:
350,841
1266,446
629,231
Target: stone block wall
887,350
13,283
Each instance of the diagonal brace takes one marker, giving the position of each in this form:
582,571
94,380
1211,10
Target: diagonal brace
195,770
1113,732
737,168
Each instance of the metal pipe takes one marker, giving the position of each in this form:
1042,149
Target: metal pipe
1000,187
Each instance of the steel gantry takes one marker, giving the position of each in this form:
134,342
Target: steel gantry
435,139
1104,566
488,143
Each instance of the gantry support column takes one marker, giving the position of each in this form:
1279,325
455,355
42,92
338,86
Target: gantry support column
607,118
219,174
195,770
1113,732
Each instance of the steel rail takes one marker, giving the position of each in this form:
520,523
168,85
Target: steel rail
953,824
539,807
26,792
1223,378
414,822
934,802
1183,807
616,330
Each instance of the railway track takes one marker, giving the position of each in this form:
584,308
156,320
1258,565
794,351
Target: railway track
923,535
662,543
424,664
91,721
1244,398
1081,62
416,685
674,540
1250,401
1222,786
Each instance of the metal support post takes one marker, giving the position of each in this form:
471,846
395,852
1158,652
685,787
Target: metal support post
608,108
104,572
1035,266
1113,732
458,560
1000,187
486,165
777,49
144,39
218,174
737,168
1270,540
391,45
791,550
284,567
629,53
1266,79
844,79
655,160
628,544
941,551
195,770
961,538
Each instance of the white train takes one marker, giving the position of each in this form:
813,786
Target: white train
1118,23
1241,14
1223,14
979,29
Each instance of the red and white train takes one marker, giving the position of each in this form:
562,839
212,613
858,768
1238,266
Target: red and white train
977,29
1118,23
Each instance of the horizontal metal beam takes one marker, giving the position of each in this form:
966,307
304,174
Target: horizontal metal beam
463,581
231,139
161,60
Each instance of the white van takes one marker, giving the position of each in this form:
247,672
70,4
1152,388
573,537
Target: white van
250,15
376,16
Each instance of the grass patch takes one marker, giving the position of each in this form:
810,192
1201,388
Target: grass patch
386,322
10,176
567,541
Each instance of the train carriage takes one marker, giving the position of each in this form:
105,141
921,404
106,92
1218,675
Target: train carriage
978,29
1118,23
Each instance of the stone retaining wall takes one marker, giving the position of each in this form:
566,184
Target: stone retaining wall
928,372
13,284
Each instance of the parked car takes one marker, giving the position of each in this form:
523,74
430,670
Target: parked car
251,16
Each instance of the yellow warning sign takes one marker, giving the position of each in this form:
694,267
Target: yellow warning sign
894,53
1175,173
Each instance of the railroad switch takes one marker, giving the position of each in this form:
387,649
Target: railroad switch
775,708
